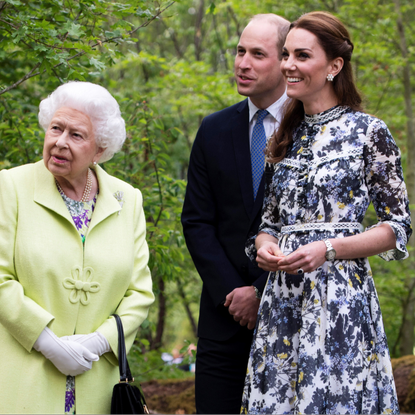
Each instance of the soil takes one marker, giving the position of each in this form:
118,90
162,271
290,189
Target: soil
404,374
170,396
177,396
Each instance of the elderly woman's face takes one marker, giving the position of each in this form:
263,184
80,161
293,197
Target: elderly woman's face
69,146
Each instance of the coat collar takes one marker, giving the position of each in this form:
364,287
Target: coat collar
107,204
46,192
47,195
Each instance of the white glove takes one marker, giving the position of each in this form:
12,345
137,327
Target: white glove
94,342
69,357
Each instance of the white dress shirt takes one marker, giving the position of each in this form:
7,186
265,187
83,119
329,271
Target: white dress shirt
271,121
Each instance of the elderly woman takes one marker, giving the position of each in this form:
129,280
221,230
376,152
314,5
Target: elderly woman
319,346
72,253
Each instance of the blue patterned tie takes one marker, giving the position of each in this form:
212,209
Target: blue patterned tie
258,143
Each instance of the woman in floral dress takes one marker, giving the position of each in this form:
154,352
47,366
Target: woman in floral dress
319,345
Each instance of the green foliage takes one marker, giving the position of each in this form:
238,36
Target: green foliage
66,39
144,162
390,285
150,365
21,139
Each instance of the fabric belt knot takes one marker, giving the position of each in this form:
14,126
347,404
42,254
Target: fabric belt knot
258,143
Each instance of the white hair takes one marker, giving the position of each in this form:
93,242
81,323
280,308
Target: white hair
98,104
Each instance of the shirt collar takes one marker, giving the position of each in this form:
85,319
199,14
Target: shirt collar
274,109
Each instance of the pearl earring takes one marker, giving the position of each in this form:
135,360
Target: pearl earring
330,77
94,163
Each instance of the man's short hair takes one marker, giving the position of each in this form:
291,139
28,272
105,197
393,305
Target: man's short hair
283,26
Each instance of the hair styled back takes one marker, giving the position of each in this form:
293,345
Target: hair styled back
98,104
334,38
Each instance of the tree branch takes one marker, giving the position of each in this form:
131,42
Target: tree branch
236,21
146,23
174,39
220,44
3,5
25,78
383,93
31,74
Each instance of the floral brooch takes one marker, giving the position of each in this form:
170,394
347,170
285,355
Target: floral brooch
119,195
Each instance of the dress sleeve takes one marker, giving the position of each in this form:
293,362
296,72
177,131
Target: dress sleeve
387,190
270,215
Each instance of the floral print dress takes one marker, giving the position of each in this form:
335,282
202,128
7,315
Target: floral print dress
81,213
319,344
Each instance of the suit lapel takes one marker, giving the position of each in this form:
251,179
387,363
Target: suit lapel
240,136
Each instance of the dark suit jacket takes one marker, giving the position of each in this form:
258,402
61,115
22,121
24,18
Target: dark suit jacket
219,214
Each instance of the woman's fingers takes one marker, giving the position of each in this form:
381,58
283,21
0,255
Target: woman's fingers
307,258
268,257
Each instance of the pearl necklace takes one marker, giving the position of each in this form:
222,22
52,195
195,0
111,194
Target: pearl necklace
87,190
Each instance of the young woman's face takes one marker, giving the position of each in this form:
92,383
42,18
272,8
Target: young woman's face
305,68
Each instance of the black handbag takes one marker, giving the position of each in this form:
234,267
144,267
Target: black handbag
126,398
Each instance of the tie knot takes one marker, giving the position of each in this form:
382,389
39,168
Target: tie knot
261,115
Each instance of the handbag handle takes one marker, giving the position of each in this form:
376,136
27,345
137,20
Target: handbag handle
125,373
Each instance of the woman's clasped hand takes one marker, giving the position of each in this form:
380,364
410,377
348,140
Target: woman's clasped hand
307,258
69,357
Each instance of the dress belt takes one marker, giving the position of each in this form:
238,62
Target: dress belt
321,226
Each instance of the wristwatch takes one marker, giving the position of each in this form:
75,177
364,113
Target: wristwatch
330,253
258,293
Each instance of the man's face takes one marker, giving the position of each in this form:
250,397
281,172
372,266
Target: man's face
257,64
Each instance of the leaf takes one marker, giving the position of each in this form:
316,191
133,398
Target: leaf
211,9
97,64
75,30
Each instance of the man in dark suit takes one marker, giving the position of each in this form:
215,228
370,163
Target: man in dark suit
222,209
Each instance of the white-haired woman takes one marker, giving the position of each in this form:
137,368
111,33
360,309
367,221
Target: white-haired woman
72,253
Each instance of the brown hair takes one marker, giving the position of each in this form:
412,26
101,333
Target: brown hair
334,38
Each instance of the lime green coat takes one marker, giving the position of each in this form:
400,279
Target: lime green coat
40,250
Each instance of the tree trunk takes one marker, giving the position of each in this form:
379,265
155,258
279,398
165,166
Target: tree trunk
186,305
198,30
161,315
408,317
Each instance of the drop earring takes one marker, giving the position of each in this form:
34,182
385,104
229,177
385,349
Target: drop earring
330,77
